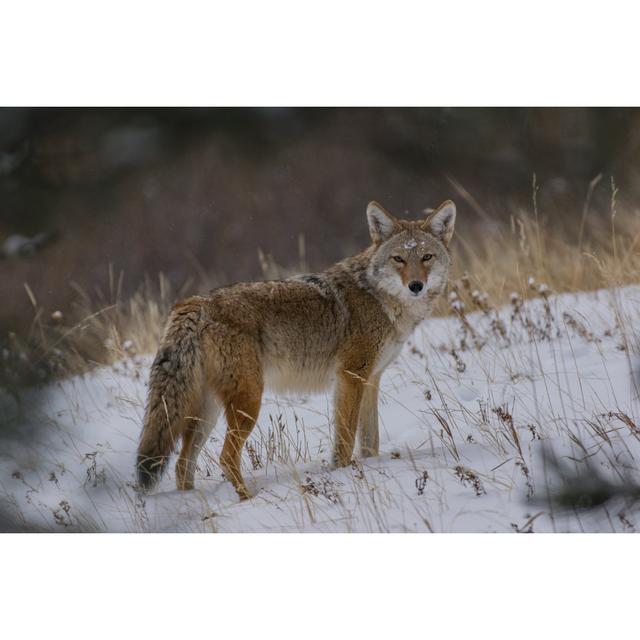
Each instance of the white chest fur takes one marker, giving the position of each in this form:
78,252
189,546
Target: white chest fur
389,352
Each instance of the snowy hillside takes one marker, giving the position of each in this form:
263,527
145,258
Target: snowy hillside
467,414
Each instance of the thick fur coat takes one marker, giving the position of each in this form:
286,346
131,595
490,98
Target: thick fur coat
340,328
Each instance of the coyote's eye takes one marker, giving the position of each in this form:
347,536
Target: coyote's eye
426,257
398,259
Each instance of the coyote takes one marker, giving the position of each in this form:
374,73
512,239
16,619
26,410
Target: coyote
342,327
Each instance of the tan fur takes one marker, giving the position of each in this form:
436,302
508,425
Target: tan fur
342,327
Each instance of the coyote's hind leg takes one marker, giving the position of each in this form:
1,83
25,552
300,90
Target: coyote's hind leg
241,409
195,436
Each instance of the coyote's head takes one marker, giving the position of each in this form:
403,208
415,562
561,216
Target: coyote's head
411,258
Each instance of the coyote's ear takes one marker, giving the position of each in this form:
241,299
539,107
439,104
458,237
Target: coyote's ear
381,223
441,222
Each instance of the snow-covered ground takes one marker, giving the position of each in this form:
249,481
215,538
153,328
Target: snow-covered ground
467,413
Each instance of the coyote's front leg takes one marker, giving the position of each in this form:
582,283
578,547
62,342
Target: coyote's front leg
368,422
348,397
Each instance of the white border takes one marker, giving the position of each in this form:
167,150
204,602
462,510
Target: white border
335,52
319,586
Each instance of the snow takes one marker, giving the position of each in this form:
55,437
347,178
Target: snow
472,414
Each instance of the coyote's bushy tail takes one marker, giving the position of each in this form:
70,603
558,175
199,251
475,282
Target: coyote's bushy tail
175,388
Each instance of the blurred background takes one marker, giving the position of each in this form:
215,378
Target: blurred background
92,195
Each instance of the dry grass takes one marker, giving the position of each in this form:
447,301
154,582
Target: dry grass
571,251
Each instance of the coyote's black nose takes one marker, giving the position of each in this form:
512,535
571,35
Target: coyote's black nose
415,286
